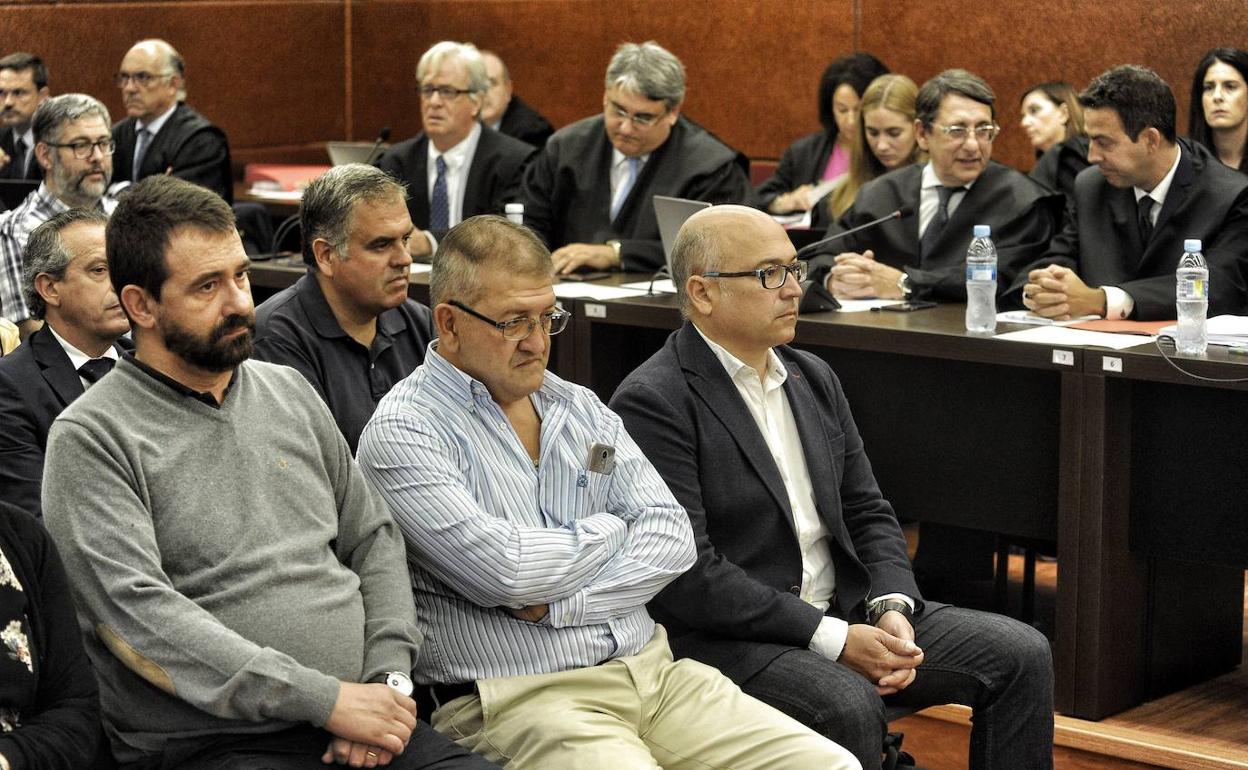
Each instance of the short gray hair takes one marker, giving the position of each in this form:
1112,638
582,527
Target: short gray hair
52,115
695,252
465,53
955,81
650,70
45,254
486,240
329,203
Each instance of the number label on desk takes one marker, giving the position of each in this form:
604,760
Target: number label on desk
1064,357
595,310
1111,364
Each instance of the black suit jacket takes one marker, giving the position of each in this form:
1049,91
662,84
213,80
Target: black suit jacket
494,174
1057,168
10,171
1023,216
567,188
802,163
1101,237
738,607
193,147
522,122
37,381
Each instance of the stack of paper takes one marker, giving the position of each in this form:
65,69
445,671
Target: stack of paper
1229,330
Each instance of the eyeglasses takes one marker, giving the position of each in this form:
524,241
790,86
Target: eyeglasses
520,328
771,277
141,79
83,148
639,119
446,92
984,132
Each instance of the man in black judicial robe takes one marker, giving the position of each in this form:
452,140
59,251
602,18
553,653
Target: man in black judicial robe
924,255
506,112
590,192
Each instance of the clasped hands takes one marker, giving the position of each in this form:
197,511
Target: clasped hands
860,276
574,256
884,653
1059,293
371,724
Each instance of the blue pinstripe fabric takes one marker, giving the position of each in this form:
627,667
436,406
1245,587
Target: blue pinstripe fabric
487,530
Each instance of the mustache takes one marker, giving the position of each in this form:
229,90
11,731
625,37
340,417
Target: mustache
233,323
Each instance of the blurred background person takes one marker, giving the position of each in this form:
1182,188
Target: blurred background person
884,138
824,155
1053,120
1219,106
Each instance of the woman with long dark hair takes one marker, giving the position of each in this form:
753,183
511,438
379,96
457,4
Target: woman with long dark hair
1219,107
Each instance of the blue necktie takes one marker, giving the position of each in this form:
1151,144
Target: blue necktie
140,148
440,206
626,188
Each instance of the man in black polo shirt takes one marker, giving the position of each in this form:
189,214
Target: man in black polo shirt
348,325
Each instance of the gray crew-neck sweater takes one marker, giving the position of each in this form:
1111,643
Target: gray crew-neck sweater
230,564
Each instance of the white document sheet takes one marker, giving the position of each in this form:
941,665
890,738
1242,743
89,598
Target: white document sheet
1059,336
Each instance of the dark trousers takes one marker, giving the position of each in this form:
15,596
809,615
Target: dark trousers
301,748
998,666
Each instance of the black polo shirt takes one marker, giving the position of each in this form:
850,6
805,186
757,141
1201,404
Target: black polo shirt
296,327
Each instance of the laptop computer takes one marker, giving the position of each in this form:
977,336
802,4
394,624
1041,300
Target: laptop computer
671,214
342,153
14,191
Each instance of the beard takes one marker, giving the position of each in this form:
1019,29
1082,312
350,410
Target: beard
213,353
78,191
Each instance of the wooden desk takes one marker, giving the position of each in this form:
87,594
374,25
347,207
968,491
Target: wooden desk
1033,441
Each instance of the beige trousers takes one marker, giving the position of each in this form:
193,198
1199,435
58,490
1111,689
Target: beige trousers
643,711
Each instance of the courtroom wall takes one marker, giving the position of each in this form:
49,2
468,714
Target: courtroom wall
284,76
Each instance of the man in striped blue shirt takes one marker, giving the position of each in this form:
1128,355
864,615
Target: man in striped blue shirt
536,533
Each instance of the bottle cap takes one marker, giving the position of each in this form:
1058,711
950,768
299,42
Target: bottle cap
982,231
513,208
1191,244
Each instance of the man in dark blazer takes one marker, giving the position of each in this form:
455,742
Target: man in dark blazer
924,255
590,193
506,112
456,167
177,140
1124,232
66,285
23,87
802,592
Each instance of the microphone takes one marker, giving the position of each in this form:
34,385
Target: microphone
382,136
814,248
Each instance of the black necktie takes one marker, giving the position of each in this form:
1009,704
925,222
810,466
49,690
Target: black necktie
1144,208
19,159
96,368
937,225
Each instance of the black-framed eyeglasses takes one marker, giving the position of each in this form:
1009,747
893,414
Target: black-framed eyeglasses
984,132
518,329
446,92
83,148
771,277
141,79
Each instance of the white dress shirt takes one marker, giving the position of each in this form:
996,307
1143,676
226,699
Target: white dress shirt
76,357
929,197
156,124
1119,304
458,162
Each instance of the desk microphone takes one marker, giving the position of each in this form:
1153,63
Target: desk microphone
811,250
382,136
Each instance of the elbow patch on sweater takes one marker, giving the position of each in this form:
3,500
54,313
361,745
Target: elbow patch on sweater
134,660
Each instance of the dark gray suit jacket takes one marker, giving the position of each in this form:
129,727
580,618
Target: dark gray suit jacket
188,143
738,607
493,176
522,122
37,382
1101,237
567,189
1022,213
11,170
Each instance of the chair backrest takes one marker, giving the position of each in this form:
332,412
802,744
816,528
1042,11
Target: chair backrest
761,170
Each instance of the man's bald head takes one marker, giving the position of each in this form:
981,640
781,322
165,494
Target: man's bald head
152,79
709,236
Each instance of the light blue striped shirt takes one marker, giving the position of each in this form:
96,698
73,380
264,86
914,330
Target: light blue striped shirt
486,529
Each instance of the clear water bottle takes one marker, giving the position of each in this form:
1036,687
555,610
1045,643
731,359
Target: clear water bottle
1192,299
981,282
514,212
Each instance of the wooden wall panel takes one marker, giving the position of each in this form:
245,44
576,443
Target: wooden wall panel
753,68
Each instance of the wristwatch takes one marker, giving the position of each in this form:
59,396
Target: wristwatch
398,681
889,605
614,243
903,285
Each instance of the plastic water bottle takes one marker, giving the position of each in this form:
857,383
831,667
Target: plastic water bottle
515,212
981,282
1192,299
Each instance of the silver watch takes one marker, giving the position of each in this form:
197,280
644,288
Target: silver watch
399,681
903,285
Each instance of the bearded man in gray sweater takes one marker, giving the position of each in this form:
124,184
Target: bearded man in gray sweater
242,592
